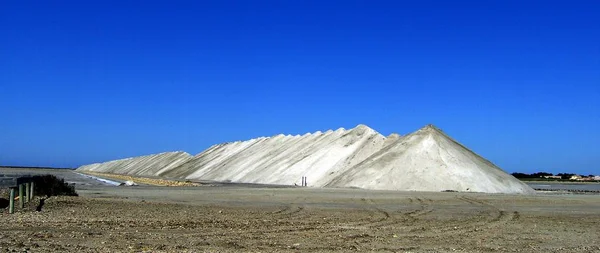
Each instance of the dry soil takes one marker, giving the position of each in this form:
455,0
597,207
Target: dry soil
242,218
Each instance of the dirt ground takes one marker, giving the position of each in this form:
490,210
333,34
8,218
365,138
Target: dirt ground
238,218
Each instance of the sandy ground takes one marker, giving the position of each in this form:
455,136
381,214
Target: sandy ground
238,218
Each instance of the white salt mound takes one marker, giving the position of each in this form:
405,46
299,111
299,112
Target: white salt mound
426,160
284,159
150,165
429,160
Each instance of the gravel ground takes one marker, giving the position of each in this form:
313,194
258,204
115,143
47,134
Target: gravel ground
237,218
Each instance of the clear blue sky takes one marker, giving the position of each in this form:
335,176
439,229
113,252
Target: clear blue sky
89,81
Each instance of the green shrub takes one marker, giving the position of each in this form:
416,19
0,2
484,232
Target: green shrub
50,185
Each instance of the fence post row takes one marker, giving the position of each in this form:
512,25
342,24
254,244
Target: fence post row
11,207
27,192
23,184
31,191
21,197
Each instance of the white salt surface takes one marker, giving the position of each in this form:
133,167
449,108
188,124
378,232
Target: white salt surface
106,181
427,160
150,165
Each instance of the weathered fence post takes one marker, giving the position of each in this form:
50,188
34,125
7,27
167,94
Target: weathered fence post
31,191
27,192
11,205
21,197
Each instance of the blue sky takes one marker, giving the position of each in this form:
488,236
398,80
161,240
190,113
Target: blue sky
88,81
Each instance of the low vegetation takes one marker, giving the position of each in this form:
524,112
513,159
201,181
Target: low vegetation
50,185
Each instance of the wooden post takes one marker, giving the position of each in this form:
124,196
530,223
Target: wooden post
11,206
31,191
21,197
27,192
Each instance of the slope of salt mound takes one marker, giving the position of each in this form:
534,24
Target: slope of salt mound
319,161
150,165
284,159
236,163
213,158
429,160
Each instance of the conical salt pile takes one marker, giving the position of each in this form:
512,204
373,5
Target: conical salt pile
429,160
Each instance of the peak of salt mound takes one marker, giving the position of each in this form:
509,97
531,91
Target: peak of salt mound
394,135
279,136
362,126
429,128
362,129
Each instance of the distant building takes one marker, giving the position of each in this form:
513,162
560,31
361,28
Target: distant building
552,177
585,178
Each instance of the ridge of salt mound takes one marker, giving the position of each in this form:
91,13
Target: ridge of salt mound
391,139
362,126
363,129
141,165
394,135
429,160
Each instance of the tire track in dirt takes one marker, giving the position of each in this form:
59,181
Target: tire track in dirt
289,210
424,208
375,215
293,210
399,216
409,218
377,218
289,219
501,217
493,217
294,213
